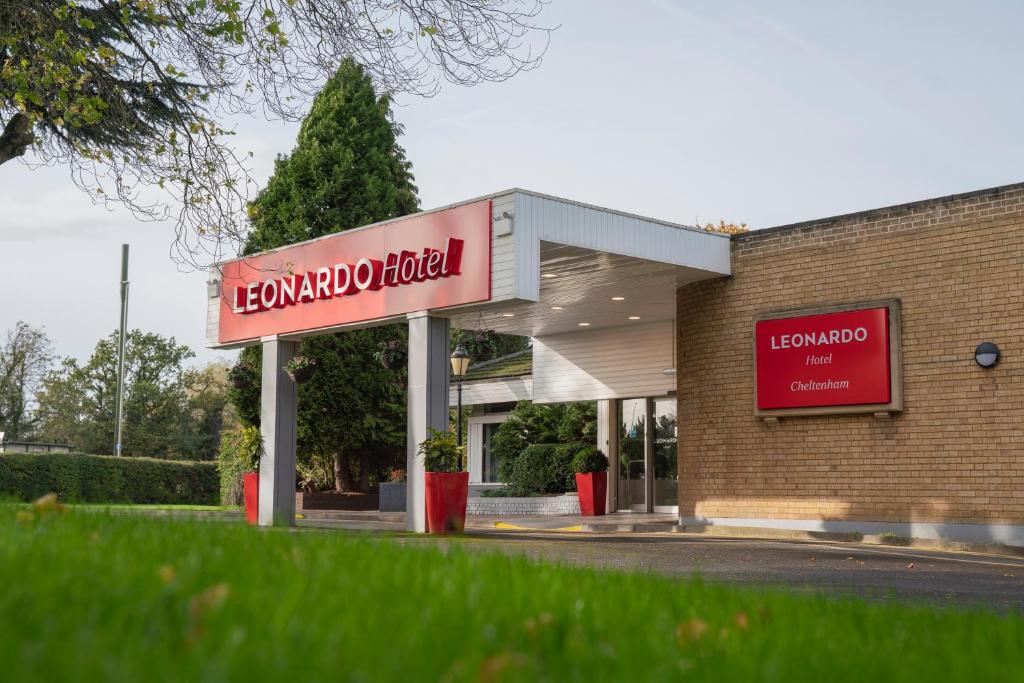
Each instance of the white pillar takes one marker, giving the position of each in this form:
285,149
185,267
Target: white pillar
428,404
278,405
606,441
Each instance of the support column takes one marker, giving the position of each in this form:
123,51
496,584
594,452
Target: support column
428,404
606,441
278,405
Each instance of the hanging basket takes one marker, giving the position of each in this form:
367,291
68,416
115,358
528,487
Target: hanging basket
302,375
392,356
301,369
241,376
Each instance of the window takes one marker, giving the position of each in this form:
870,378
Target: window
490,462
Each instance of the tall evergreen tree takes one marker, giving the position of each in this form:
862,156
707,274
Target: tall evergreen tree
347,170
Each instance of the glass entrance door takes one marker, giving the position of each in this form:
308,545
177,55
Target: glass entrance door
665,455
648,463
632,461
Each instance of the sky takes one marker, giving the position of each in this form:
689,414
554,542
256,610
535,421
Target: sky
687,111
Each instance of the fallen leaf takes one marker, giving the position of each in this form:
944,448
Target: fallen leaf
166,573
741,620
690,630
210,599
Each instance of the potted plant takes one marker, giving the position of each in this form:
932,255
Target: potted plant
591,467
301,368
447,486
249,447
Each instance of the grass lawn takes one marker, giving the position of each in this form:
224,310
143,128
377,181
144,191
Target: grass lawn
157,507
99,597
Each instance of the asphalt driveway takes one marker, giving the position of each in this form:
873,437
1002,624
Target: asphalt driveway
875,573
878,573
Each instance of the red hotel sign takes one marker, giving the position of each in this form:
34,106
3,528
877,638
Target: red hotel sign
421,262
831,359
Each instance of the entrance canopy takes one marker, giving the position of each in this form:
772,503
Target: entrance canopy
595,288
522,262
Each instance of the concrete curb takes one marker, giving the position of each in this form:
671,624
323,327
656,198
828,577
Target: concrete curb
747,533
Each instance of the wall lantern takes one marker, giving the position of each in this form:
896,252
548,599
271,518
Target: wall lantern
987,355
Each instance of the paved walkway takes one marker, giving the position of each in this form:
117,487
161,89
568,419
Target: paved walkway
835,568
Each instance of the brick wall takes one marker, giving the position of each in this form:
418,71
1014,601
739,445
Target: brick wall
955,454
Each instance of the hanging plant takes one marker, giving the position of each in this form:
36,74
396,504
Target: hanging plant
301,368
481,346
392,355
242,375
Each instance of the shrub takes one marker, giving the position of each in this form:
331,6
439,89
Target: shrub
589,459
543,468
564,453
240,451
532,423
440,452
79,478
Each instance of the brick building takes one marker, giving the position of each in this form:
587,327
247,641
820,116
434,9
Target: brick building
817,376
951,462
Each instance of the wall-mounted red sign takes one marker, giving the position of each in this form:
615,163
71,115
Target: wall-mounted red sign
830,359
422,262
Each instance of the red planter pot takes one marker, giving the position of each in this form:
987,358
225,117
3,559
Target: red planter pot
446,494
251,495
592,487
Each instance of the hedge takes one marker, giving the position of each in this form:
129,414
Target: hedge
80,478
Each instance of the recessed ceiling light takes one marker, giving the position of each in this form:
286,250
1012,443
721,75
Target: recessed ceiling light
634,317
556,308
583,324
618,298
549,275
508,315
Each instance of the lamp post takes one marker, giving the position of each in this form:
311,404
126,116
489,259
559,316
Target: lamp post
460,363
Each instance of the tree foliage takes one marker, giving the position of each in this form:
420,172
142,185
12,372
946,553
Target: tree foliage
131,95
169,412
26,355
346,170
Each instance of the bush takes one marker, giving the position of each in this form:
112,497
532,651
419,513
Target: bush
543,468
79,478
589,459
240,451
534,423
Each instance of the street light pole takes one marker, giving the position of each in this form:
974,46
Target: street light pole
458,430
460,363
122,331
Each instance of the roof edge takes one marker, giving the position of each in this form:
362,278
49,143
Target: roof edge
866,213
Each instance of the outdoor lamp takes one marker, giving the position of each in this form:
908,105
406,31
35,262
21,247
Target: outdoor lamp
986,355
460,363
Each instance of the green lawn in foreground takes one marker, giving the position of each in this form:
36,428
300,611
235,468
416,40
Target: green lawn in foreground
100,597
149,507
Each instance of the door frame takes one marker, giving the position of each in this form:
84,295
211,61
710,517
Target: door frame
648,506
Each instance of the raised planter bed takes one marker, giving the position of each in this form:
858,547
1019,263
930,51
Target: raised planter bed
392,497
334,500
566,504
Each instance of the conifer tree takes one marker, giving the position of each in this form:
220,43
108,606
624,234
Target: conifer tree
347,170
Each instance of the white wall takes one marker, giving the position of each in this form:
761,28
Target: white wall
479,392
615,362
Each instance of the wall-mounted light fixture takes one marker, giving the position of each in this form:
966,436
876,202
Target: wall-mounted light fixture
986,355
